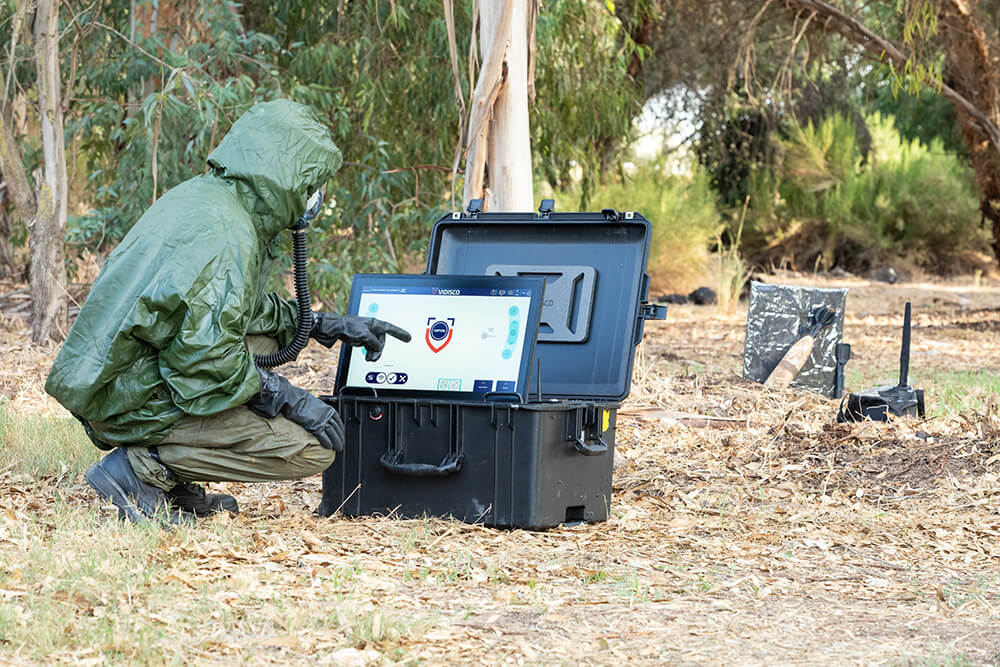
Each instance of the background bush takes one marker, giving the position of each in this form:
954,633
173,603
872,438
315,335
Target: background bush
685,219
824,204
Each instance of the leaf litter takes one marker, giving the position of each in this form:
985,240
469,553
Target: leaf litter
746,526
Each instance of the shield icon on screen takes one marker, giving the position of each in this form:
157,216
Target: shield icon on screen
439,333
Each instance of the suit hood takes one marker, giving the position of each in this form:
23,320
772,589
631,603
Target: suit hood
277,154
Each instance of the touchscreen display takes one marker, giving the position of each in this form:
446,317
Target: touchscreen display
465,339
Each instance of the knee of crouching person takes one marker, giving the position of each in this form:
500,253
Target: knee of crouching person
315,458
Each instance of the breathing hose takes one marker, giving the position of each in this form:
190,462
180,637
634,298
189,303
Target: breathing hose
304,324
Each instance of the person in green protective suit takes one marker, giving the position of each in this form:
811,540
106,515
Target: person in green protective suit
159,364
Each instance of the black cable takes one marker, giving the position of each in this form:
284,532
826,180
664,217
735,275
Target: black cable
305,320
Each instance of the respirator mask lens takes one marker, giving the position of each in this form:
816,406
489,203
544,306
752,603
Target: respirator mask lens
313,205
315,201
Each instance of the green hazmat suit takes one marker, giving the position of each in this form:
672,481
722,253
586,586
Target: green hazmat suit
162,337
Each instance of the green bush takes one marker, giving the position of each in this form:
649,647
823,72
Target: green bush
829,207
684,216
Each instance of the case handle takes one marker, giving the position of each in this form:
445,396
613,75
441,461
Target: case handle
597,449
450,464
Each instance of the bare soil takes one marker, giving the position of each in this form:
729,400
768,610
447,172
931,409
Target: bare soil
768,535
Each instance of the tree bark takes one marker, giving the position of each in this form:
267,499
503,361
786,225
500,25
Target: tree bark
16,188
510,135
499,134
13,173
12,170
970,68
483,98
48,271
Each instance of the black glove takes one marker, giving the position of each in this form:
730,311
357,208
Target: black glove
328,328
279,396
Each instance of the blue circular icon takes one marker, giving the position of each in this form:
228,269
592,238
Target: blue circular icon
513,311
507,353
439,330
511,339
513,326
373,308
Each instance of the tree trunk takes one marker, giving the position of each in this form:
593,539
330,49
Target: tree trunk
499,144
16,188
969,68
48,271
509,159
6,251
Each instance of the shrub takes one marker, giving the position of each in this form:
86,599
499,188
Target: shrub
824,206
684,217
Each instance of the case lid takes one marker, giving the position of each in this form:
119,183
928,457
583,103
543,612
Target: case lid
594,308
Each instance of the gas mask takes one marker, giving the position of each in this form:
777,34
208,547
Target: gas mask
313,205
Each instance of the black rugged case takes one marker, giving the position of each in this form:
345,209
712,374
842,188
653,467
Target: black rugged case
532,464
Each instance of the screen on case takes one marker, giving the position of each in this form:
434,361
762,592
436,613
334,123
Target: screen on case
463,339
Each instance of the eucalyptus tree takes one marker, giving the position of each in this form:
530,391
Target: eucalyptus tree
43,211
150,87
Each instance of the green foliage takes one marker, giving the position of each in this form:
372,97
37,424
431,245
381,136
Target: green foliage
147,122
148,105
909,199
685,221
586,100
732,145
925,116
918,25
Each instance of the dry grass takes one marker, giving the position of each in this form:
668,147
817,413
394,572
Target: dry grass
774,537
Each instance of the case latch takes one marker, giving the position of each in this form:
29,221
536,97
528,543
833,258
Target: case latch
647,311
652,311
546,207
475,208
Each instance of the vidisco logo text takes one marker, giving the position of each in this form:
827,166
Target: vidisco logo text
450,292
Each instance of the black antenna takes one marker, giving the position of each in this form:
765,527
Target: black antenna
904,354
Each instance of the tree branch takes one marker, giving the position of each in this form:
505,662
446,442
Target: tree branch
19,13
883,49
449,20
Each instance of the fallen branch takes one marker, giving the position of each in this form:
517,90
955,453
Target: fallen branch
435,167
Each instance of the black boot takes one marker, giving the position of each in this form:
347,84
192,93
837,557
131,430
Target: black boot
113,479
192,498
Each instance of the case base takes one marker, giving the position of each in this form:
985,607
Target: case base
524,465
